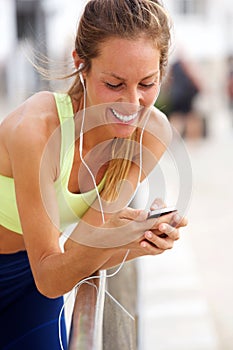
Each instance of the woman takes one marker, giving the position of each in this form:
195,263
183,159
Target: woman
48,169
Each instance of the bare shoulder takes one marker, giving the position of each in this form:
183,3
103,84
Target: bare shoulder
158,132
156,139
33,120
26,131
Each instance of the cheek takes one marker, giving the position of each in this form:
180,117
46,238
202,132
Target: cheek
106,95
99,94
151,97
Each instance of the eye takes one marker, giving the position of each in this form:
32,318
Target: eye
147,86
114,86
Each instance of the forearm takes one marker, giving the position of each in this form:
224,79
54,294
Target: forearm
120,256
59,273
88,250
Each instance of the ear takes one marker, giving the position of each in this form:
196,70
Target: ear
77,60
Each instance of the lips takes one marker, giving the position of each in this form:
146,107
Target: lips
124,118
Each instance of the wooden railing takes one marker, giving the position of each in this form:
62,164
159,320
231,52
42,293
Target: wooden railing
104,315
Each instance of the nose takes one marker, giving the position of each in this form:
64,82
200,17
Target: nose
133,96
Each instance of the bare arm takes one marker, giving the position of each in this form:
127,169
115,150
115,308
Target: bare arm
54,272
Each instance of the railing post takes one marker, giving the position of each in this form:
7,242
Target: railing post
119,329
105,320
83,317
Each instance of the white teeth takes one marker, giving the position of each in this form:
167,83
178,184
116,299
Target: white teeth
124,118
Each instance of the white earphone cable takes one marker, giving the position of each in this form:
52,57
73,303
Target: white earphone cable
81,149
102,272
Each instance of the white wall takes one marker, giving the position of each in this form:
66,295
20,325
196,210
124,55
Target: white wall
61,23
7,28
208,36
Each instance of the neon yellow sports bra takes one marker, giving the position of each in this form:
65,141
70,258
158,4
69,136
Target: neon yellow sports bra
71,206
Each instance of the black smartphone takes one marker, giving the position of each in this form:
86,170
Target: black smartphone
160,212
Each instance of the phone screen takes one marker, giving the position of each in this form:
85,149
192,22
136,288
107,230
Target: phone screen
160,212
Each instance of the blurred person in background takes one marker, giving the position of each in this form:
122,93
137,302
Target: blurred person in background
46,185
183,86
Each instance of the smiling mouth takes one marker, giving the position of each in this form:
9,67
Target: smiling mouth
124,118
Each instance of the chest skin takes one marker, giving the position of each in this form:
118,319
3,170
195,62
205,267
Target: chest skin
80,179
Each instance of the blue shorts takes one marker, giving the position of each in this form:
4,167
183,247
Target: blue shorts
28,320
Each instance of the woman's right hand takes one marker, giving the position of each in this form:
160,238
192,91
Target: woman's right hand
119,229
123,229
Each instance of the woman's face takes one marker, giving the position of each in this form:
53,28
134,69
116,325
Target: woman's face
125,74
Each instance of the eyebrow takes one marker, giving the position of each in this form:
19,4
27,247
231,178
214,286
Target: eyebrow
123,79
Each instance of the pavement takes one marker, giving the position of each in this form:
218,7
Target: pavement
186,294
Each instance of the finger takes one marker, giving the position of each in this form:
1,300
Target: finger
133,214
173,219
150,249
169,231
160,243
179,221
158,203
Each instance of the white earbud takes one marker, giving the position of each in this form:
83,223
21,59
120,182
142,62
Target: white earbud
80,73
81,66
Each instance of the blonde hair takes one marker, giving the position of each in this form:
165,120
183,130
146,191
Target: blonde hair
129,19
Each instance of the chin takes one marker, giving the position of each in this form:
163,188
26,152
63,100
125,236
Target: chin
123,131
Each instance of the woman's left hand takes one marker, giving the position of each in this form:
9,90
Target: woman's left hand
165,232
163,236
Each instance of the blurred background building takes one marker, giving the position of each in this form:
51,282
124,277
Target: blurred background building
186,295
203,35
30,28
202,28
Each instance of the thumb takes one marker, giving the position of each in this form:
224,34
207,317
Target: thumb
134,214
